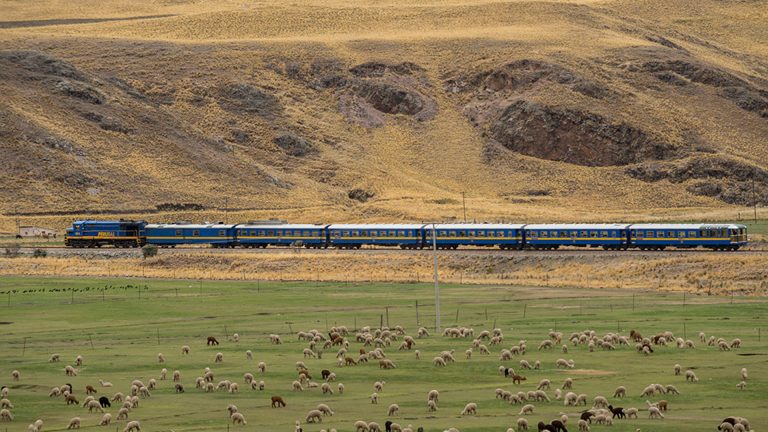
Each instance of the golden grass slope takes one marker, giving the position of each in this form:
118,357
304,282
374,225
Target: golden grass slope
162,64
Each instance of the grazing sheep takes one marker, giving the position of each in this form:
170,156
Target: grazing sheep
262,367
517,379
690,376
326,388
654,412
361,426
386,364
600,402
620,392
5,415
74,423
525,365
131,426
671,389
70,371
106,419
392,410
277,402
544,384
725,427
374,398
374,427
151,384
94,405
570,399
583,426
122,414
118,397
545,345
176,376
736,343
163,376
431,406
160,358
185,350
631,412
211,341
526,410
470,408
54,392
522,424
70,399
236,337
238,418
325,409
743,374
314,416
104,402
742,385
5,403
234,388
340,387
79,360
567,384
297,386
379,385
179,387
219,358
677,369
565,364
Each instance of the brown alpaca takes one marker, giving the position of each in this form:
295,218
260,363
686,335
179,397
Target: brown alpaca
212,341
277,402
662,404
349,361
517,378
90,390
72,400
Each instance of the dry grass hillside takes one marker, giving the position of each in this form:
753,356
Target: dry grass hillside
376,110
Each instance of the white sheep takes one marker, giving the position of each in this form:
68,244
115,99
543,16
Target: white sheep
570,399
340,387
677,369
374,398
262,367
742,385
671,389
238,418
654,412
601,402
544,384
393,410
160,358
219,358
5,403
326,388
131,426
360,426
15,375
314,416
163,376
79,360
470,408
325,409
105,383
118,397
379,385
418,354
249,355
70,371
106,419
5,415
522,424
583,425
743,374
431,406
74,423
176,376
122,413
151,384
185,350
54,358
236,337
631,412
94,405
690,376
526,410
234,388
567,384
620,392
54,392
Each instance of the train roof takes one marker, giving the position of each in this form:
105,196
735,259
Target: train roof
114,221
283,226
376,226
475,226
190,226
687,226
576,226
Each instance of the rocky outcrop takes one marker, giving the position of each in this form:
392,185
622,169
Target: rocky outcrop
576,137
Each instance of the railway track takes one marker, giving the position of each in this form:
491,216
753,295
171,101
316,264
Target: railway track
108,251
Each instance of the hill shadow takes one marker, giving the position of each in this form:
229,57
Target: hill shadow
69,21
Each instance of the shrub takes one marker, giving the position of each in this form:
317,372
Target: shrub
39,253
149,251
12,251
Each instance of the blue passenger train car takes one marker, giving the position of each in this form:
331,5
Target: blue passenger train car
607,236
261,236
96,233
712,236
407,236
170,235
451,236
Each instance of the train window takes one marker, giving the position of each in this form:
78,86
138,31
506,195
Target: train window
374,233
613,233
691,233
441,233
481,233
583,233
178,232
593,234
533,234
401,233
471,233
306,234
545,234
453,233
681,234
196,232
261,233
640,234
270,233
660,234
670,234
650,234
221,233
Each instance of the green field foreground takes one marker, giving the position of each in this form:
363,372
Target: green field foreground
119,326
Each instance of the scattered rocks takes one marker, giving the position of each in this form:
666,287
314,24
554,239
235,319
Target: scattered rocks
575,137
81,91
107,123
38,62
294,145
361,195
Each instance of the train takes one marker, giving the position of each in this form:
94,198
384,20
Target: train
656,236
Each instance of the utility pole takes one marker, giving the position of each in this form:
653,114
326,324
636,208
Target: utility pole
226,206
754,196
464,204
437,285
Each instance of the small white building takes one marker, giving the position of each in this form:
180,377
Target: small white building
31,231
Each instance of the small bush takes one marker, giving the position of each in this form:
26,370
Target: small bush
148,251
39,253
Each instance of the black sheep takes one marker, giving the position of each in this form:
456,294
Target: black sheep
587,416
617,412
545,427
104,401
559,426
506,372
388,426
